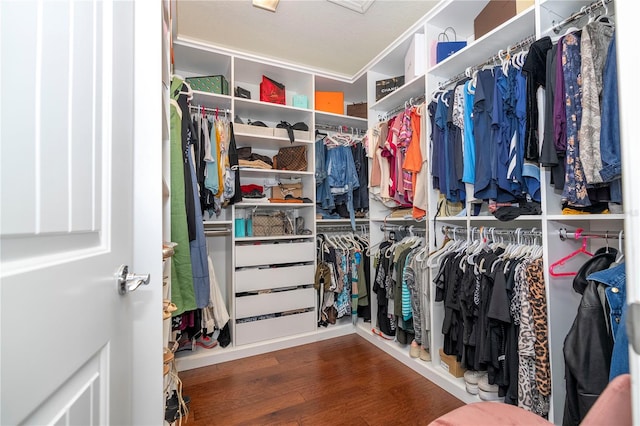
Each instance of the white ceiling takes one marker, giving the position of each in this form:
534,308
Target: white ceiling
314,33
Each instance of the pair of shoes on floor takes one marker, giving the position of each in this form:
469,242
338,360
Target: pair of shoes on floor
471,379
205,341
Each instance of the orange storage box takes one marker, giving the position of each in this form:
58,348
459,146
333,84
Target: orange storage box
330,102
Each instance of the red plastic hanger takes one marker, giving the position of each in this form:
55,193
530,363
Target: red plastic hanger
582,249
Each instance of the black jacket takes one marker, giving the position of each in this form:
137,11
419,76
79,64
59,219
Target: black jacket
588,345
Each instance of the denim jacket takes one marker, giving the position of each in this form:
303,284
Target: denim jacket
614,279
610,126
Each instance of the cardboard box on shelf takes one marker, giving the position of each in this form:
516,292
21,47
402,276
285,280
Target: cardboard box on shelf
449,363
497,12
284,189
330,102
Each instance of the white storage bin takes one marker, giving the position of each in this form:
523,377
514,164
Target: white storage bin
273,328
271,303
253,130
259,279
273,254
299,135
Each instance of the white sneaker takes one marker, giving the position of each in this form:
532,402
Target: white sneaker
472,377
471,388
483,384
488,396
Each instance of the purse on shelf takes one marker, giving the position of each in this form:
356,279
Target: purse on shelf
242,93
446,47
272,91
291,158
272,223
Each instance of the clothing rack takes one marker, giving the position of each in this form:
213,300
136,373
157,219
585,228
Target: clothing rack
522,44
322,228
407,104
403,228
491,231
340,129
199,108
563,234
579,14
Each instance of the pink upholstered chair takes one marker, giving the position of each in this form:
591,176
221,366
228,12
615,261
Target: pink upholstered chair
613,407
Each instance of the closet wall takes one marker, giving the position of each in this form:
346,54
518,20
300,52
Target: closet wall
534,22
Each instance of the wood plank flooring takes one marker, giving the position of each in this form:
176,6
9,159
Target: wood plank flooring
341,381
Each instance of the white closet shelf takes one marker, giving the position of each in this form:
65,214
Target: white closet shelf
275,238
267,142
451,219
213,223
491,218
511,31
265,111
329,222
340,120
245,172
211,100
396,219
583,217
267,205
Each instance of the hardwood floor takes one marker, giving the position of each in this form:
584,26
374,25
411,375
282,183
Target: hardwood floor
340,381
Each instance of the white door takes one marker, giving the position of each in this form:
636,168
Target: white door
628,64
67,219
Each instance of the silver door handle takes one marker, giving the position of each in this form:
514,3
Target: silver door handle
127,282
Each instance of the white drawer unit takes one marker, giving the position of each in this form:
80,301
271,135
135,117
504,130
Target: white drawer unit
273,254
273,328
275,302
254,279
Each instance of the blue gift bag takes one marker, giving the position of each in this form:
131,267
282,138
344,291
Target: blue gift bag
445,47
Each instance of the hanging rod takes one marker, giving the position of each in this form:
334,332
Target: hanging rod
402,228
563,234
522,44
197,108
341,228
493,231
340,129
408,103
585,10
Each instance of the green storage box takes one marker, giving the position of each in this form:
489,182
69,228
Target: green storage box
212,84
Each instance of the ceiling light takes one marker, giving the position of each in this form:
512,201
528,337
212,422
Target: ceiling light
269,5
359,6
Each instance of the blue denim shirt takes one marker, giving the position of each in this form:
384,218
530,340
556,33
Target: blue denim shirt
610,125
342,175
323,191
614,279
